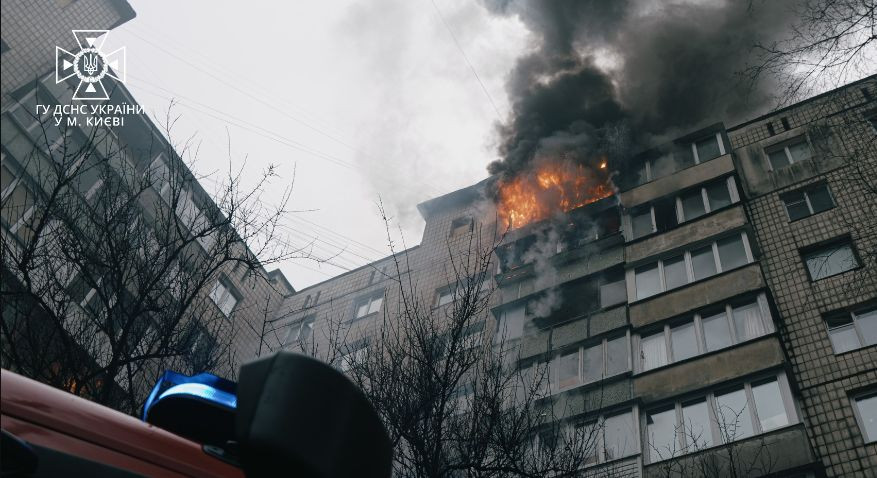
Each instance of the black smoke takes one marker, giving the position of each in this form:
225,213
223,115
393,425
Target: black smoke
606,78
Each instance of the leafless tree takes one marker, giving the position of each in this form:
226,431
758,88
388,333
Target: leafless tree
111,256
829,43
454,402
698,458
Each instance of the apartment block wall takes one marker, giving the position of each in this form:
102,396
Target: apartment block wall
31,30
845,158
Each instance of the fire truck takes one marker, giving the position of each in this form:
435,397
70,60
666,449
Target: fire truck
288,415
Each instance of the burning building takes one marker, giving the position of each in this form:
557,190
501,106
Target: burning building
727,272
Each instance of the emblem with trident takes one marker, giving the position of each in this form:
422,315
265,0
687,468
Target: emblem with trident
89,64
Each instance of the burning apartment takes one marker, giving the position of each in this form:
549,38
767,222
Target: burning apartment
708,302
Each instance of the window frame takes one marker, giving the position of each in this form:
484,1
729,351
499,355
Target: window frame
804,191
598,424
854,321
689,266
603,343
784,146
733,194
229,292
837,243
860,422
727,311
296,327
367,300
717,438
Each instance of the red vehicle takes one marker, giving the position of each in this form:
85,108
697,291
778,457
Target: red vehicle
293,416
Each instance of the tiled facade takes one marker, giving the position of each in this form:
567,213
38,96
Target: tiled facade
754,276
828,381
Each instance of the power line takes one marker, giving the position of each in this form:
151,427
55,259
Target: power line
466,58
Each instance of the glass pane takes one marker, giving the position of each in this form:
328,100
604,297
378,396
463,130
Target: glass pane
674,272
799,151
868,415
696,426
732,254
666,165
653,351
707,149
619,437
613,293
661,429
616,356
375,305
641,222
867,322
830,261
820,199
747,321
684,341
592,363
703,263
718,195
692,205
362,310
586,435
511,325
842,333
647,281
716,332
567,370
796,205
769,405
683,156
732,414
778,159
307,329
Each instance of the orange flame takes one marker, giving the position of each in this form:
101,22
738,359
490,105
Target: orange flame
554,185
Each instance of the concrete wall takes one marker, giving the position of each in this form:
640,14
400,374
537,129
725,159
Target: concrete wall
676,182
696,295
708,370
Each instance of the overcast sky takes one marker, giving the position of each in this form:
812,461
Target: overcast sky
361,99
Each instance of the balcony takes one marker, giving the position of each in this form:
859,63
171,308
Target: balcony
677,181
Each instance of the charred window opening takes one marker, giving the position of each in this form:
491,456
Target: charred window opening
461,226
514,255
567,302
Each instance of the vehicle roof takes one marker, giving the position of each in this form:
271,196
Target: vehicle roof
55,409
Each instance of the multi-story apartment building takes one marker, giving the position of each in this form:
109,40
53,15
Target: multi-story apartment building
720,306
141,155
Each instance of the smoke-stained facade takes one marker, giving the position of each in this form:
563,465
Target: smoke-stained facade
731,275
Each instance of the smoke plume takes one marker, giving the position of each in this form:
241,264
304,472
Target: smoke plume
605,78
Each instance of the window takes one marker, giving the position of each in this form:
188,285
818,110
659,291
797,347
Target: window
722,416
708,148
707,198
642,221
703,262
354,355
732,415
300,331
159,176
613,288
832,259
461,226
866,414
511,324
661,429
807,201
590,364
788,152
619,436
648,281
223,297
723,255
706,332
853,329
368,306
445,296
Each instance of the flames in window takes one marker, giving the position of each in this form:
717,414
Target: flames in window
552,186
